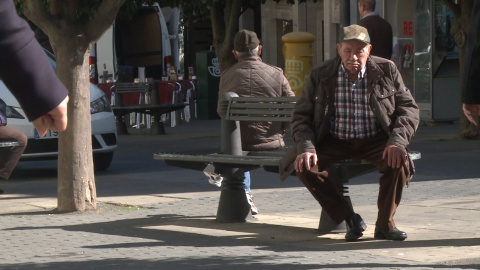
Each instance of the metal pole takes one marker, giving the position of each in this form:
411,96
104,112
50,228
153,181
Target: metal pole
233,205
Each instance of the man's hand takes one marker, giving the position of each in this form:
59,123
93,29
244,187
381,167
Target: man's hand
472,112
55,119
304,160
395,156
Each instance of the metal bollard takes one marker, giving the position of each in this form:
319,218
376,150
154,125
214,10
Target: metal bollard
233,205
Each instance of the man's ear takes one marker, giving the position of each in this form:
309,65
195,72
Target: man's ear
259,50
369,48
235,54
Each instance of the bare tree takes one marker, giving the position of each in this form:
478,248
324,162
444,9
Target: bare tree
73,26
461,24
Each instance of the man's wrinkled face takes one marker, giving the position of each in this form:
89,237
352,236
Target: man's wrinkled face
354,55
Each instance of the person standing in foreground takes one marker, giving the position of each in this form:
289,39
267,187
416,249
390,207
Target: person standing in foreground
354,106
250,77
471,70
379,30
9,156
28,74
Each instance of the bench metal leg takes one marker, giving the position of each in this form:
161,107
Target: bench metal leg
121,125
157,126
233,205
341,174
326,224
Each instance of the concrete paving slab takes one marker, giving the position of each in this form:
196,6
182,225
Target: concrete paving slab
151,216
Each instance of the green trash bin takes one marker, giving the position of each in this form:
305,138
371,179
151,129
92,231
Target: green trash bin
208,79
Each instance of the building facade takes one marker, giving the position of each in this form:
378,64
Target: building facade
423,48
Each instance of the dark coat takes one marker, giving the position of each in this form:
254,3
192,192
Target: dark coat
381,36
24,67
392,103
251,77
471,71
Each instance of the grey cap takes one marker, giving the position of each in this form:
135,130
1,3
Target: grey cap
357,32
245,41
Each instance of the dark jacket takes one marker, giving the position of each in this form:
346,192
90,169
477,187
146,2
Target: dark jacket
24,67
250,77
392,103
381,36
471,71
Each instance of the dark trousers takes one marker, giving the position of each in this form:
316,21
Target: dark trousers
332,150
9,156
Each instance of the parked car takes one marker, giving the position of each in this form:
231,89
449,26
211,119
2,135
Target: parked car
104,132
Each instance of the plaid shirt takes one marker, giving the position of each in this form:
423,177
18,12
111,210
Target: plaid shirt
354,118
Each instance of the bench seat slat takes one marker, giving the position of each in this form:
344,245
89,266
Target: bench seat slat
262,106
253,110
260,158
260,113
265,99
285,118
219,158
131,87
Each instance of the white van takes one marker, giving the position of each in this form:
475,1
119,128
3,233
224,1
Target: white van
144,41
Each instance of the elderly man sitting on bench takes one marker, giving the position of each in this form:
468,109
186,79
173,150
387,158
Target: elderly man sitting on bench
355,106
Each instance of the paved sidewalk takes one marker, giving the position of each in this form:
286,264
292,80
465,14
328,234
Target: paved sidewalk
440,212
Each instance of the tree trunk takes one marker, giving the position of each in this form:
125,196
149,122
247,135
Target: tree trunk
225,26
76,181
467,129
71,42
461,25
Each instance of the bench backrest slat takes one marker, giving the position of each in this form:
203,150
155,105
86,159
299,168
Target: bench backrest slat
262,105
261,118
265,99
259,112
131,87
260,108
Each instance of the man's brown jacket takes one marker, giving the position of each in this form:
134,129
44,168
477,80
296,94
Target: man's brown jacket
392,103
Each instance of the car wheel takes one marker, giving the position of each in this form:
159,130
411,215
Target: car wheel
101,161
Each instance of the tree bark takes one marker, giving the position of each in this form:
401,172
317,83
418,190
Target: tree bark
225,25
71,43
461,24
76,180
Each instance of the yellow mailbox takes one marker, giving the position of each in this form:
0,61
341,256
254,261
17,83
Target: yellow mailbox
297,50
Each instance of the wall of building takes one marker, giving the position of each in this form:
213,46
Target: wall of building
279,19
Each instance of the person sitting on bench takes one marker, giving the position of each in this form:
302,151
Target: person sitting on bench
250,77
354,106
9,156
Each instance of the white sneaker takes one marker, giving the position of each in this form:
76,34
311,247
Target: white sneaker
213,178
253,208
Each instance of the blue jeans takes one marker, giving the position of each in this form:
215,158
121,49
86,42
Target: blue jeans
246,181
245,177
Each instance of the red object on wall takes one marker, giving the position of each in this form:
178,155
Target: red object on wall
107,89
165,91
408,28
92,60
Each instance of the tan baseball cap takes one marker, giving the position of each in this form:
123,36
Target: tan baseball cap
245,41
357,32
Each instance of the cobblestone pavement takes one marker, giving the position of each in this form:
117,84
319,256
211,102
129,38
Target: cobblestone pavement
440,212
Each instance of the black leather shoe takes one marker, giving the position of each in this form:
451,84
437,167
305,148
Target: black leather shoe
355,227
394,234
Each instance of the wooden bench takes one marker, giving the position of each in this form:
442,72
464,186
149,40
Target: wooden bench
233,206
155,109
